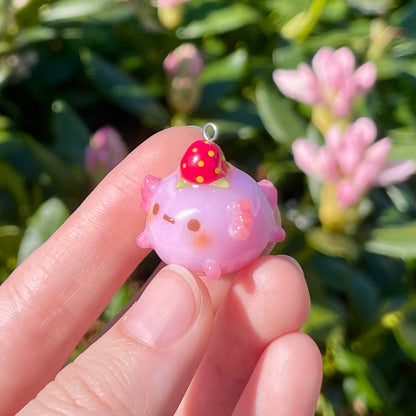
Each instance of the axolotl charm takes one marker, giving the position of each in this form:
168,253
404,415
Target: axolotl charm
209,216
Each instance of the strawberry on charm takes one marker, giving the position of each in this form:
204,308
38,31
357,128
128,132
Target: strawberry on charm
204,163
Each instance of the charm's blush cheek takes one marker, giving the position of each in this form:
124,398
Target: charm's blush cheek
201,239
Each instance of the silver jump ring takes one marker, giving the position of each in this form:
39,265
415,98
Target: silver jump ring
207,136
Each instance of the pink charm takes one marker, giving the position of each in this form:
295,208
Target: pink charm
209,228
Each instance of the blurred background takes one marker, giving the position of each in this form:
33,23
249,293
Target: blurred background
82,82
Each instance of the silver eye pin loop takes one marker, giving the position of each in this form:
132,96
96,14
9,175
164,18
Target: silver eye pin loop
208,137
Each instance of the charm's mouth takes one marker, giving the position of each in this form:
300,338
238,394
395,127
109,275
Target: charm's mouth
169,219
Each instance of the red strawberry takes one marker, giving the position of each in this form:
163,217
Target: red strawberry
203,163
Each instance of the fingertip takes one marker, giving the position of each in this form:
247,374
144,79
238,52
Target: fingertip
292,262
284,264
286,380
292,368
301,351
275,295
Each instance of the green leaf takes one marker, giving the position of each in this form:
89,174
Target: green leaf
220,21
367,383
405,17
402,197
359,387
391,67
334,245
314,186
45,221
59,172
394,241
12,181
349,362
221,77
403,144
124,91
405,331
300,26
10,237
363,297
26,13
118,301
230,68
324,406
34,34
320,316
63,10
321,321
71,133
278,118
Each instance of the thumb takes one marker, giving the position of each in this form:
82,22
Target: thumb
145,362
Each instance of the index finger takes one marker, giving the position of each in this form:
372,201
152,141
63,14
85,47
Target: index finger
53,297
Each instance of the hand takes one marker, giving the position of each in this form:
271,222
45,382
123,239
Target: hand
229,346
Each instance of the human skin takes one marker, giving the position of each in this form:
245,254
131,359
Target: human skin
189,345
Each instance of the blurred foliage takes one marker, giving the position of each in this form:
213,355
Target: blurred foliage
67,67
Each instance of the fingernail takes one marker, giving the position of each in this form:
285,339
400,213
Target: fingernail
166,309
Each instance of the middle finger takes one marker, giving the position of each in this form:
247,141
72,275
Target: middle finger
267,299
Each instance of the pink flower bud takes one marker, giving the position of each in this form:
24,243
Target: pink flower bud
333,68
377,153
351,161
334,138
183,66
395,172
347,193
184,61
365,176
184,94
305,153
300,84
365,77
343,101
327,164
105,151
362,132
331,81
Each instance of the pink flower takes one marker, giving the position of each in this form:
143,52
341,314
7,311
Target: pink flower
105,151
330,82
185,60
352,160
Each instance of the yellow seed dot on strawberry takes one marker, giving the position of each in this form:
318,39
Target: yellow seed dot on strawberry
211,153
217,170
184,165
194,149
199,179
201,163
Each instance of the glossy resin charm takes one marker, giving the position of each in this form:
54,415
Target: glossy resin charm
209,216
